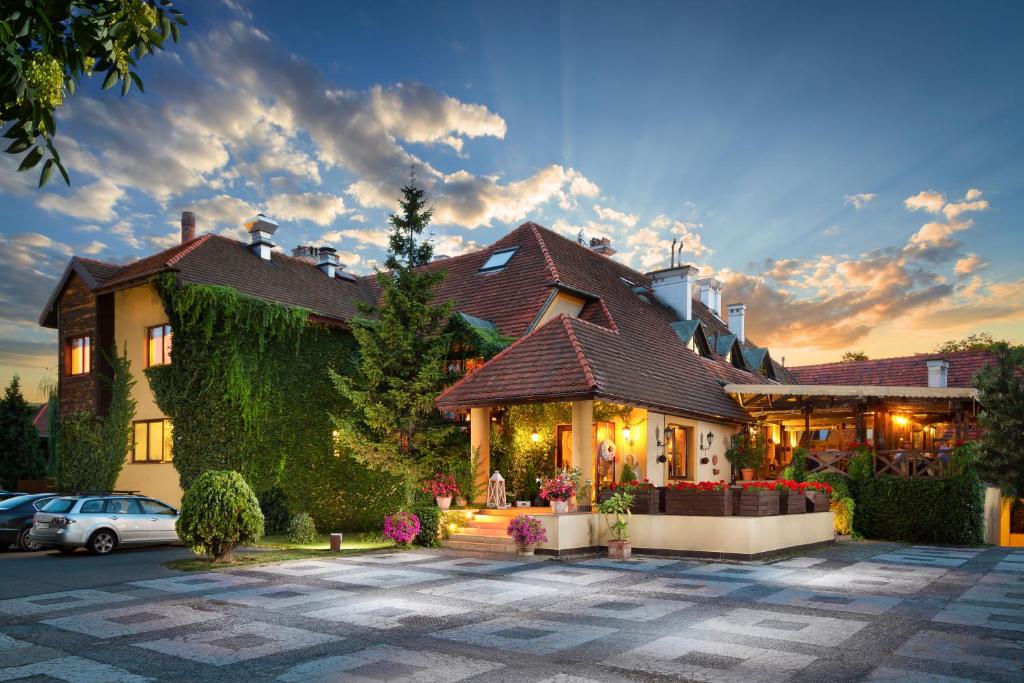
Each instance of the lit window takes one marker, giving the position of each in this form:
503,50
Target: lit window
158,345
678,452
79,355
153,441
498,259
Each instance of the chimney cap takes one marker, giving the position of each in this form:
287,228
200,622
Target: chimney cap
261,223
188,218
328,250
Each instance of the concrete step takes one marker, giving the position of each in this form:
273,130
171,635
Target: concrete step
477,524
472,535
502,548
514,511
480,531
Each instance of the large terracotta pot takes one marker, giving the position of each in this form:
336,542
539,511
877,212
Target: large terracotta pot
443,502
747,474
620,550
559,506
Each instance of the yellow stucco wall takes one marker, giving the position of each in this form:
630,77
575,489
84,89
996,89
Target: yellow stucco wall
136,310
711,471
561,303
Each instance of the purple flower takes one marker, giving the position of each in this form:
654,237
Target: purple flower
401,527
527,530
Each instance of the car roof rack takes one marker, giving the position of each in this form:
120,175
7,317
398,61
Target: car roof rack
103,493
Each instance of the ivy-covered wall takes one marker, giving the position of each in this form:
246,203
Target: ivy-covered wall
249,389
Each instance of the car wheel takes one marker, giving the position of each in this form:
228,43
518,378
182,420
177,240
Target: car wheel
102,542
26,543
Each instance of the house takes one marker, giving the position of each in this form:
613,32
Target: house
589,332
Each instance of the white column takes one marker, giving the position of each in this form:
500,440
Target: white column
480,447
583,440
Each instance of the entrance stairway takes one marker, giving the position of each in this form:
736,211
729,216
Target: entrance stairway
484,530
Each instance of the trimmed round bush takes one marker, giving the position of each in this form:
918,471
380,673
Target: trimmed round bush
302,530
218,513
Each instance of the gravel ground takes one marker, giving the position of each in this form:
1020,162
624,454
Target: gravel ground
856,611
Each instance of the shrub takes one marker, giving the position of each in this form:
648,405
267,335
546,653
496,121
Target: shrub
274,506
430,517
839,482
627,474
616,510
947,510
302,530
526,530
401,527
862,463
219,512
842,514
797,468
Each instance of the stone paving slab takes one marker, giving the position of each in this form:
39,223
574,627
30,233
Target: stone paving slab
855,611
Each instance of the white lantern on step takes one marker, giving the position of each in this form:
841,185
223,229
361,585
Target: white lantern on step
496,491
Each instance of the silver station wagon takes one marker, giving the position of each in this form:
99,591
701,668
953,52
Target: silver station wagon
101,523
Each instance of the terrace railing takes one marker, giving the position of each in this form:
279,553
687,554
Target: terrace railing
903,463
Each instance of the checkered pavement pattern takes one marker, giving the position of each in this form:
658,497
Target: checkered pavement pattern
855,611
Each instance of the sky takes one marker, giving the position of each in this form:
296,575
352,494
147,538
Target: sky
853,172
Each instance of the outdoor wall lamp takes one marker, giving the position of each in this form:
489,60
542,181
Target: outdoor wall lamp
705,448
626,434
535,436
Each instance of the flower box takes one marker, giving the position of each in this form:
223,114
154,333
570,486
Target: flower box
792,502
816,501
647,500
706,499
758,502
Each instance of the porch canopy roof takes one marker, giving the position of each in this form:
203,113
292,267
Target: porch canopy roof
568,359
793,396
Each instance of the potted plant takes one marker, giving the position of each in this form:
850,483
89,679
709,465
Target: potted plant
818,495
558,490
527,532
746,453
401,527
792,500
617,512
443,488
646,497
758,499
706,498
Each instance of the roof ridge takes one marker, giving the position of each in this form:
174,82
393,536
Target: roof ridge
544,249
924,355
189,247
578,348
591,324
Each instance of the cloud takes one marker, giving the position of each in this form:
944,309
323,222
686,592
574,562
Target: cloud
859,201
222,213
377,238
93,202
970,203
30,264
415,113
609,214
928,200
317,207
969,264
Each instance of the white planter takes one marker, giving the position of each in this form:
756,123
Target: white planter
559,506
443,503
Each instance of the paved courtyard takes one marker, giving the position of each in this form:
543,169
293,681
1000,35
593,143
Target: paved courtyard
860,611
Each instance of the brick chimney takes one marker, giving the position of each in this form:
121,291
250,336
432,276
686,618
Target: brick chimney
188,226
306,252
602,246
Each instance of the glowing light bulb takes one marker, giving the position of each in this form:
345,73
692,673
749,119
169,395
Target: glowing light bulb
535,437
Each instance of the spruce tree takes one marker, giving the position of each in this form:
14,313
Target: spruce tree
1001,394
21,456
391,423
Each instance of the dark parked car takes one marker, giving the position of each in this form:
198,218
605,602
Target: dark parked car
16,519
4,495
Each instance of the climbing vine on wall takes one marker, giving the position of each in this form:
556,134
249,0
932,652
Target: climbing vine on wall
249,389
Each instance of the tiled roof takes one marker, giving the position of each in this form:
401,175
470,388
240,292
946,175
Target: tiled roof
642,361
905,371
216,260
42,421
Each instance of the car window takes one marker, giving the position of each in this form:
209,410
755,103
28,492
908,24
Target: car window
123,506
41,503
14,502
59,505
153,507
92,506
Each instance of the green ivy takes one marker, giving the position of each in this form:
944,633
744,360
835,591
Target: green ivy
249,389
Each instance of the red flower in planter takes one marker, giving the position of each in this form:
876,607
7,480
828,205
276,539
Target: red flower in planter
757,486
815,487
701,486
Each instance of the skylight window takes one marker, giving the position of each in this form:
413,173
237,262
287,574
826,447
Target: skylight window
498,260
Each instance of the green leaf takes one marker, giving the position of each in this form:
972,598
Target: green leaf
138,81
111,79
175,32
126,85
44,177
18,146
31,159
63,172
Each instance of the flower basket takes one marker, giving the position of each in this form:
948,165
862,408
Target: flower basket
707,499
792,502
758,499
527,532
816,501
647,499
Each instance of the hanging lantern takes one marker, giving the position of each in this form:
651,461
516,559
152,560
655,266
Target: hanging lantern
496,491
535,436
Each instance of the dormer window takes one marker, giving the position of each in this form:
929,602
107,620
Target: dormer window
498,260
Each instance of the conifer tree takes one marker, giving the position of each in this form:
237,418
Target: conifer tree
391,423
21,456
1001,394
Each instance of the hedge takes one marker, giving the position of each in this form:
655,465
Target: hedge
840,483
947,510
430,525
